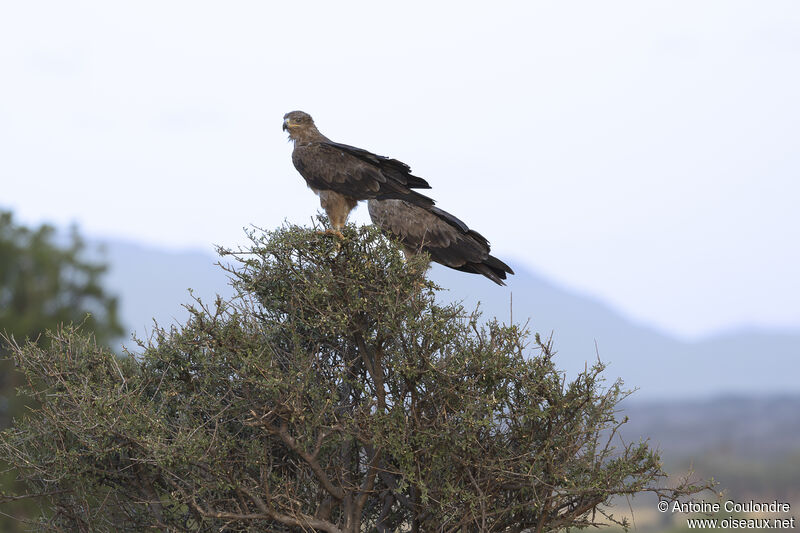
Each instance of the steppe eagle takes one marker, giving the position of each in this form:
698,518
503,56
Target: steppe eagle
444,237
342,175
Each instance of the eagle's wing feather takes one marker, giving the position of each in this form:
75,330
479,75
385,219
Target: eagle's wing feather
392,168
329,166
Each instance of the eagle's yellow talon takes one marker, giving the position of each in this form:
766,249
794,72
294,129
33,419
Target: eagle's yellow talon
334,232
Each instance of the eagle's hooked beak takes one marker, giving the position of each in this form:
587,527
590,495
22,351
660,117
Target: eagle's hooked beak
286,124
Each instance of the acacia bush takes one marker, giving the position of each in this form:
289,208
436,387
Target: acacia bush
333,393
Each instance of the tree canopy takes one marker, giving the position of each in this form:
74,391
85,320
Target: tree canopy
44,283
333,393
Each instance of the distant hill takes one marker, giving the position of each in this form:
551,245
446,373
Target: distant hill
760,428
153,283
739,362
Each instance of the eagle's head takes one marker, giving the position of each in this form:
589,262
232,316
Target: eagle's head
299,124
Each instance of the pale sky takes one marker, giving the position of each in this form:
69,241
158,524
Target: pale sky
646,153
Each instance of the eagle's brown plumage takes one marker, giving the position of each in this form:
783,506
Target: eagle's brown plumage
444,237
343,175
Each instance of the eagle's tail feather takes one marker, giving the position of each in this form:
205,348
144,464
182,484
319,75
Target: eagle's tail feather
498,266
491,267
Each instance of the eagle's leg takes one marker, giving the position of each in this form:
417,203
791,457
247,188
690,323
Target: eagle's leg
338,207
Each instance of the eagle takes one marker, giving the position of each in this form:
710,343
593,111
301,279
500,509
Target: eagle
342,175
444,237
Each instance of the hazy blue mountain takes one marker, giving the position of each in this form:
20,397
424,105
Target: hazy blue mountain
751,362
761,428
153,284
